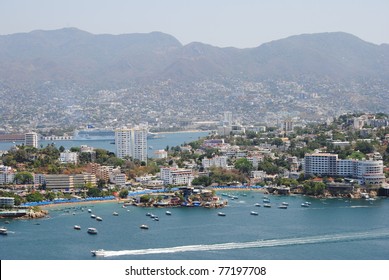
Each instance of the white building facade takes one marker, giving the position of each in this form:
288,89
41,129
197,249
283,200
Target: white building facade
132,142
31,139
175,176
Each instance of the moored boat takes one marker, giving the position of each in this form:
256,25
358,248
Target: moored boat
168,213
282,206
221,214
257,205
115,213
3,231
93,216
305,204
144,226
77,227
92,231
99,219
254,213
267,205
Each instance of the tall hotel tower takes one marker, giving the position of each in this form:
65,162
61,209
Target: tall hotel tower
31,139
132,142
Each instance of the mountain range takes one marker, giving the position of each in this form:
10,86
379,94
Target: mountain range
71,55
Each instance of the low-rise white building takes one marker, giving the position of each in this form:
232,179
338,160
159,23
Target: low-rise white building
217,161
176,176
68,157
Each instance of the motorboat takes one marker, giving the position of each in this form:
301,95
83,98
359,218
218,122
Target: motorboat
144,227
148,214
97,253
168,213
3,231
89,210
115,213
221,214
156,219
92,231
266,200
283,206
305,204
254,213
99,219
285,203
257,205
77,227
93,216
267,205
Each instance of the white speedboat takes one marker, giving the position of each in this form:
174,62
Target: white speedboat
115,213
99,219
266,200
285,203
305,204
221,214
267,205
92,231
89,210
99,252
282,206
257,205
77,227
3,231
168,213
93,216
144,226
254,213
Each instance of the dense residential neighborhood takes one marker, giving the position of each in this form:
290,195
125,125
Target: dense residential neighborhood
350,153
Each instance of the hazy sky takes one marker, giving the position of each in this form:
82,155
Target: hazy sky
239,23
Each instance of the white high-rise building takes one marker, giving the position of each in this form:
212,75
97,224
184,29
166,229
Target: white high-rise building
31,139
132,142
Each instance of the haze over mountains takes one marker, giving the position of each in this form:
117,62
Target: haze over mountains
75,56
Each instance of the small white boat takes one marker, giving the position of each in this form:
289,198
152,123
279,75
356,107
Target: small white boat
89,210
257,205
282,206
99,219
305,204
92,230
99,252
221,214
285,203
266,200
115,213
254,213
156,219
168,213
267,205
77,227
93,216
3,231
148,214
144,227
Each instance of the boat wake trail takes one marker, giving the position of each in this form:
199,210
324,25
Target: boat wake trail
255,244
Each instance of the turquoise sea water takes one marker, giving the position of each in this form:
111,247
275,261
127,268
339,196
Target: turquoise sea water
329,229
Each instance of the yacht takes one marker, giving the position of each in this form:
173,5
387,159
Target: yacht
99,252
144,227
283,206
89,210
99,219
93,216
285,203
305,204
77,227
92,230
266,200
3,231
